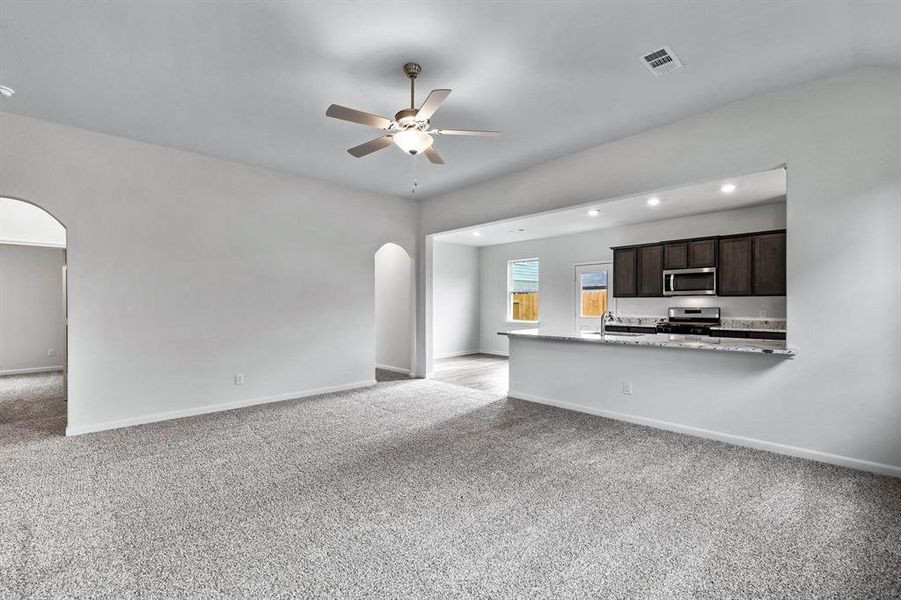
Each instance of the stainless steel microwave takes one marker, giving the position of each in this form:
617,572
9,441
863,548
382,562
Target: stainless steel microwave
690,282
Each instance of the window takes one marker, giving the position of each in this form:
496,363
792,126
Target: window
522,288
593,293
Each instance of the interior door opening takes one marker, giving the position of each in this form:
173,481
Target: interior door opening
33,318
393,312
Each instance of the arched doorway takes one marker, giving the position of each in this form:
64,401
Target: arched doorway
393,312
33,323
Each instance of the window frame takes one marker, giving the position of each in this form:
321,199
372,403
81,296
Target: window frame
509,300
579,321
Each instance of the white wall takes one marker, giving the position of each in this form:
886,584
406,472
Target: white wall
457,300
841,140
393,308
24,223
31,308
186,269
558,255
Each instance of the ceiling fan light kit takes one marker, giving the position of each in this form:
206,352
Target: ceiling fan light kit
410,130
413,141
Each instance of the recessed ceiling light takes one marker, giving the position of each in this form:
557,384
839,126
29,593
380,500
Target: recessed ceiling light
476,234
728,188
654,201
593,212
6,92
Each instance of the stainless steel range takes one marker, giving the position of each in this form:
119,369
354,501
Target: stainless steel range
690,321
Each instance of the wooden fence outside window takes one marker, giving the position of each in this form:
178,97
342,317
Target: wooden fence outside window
594,303
525,306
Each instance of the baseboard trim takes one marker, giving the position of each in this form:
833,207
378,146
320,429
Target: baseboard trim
495,353
31,370
213,408
825,457
455,354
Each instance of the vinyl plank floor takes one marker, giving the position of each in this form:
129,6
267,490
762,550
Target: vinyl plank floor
476,371
386,375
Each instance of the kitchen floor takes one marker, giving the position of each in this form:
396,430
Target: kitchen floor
483,372
382,375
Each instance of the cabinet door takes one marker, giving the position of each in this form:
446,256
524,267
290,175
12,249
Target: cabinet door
650,270
625,267
675,256
702,253
769,264
735,269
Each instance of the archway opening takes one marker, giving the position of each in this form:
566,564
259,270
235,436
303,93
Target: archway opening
33,322
393,312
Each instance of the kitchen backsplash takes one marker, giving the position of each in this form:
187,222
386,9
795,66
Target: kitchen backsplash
725,322
753,307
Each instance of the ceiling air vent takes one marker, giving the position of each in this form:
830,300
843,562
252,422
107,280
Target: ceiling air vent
661,61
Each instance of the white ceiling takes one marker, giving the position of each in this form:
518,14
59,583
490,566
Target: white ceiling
752,190
250,81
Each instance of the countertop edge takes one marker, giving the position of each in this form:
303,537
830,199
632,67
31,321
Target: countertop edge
736,348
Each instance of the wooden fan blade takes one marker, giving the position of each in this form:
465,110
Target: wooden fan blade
433,156
371,146
483,132
431,104
336,111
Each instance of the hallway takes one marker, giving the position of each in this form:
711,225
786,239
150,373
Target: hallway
32,405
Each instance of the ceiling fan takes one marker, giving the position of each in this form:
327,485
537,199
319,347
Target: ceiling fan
411,128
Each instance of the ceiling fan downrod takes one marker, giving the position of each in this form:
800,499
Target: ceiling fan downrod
412,70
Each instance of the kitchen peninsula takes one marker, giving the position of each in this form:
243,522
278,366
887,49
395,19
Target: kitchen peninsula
701,385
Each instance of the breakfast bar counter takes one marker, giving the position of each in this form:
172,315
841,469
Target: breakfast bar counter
660,340
691,383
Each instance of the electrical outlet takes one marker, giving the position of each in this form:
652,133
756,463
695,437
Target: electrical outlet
51,352
627,388
239,378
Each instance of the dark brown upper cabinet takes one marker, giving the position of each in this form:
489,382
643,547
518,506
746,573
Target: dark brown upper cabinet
749,264
650,270
702,253
752,264
688,254
769,264
735,270
625,272
675,255
638,271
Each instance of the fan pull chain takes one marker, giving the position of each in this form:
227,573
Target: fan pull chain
413,176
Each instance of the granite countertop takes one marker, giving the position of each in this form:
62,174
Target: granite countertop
660,340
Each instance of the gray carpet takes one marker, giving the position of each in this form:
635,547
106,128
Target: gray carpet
422,489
